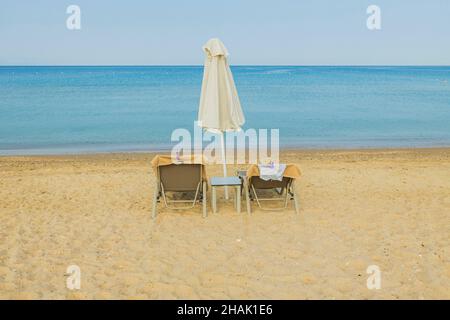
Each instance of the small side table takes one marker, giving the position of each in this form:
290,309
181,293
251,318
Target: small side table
234,182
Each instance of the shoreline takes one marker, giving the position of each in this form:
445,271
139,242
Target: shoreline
282,151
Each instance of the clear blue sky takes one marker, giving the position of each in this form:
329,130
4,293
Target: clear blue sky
276,32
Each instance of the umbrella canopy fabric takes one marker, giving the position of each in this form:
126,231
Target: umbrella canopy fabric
220,108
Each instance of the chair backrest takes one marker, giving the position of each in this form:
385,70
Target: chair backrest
180,177
259,183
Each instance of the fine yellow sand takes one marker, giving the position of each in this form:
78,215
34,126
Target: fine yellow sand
389,208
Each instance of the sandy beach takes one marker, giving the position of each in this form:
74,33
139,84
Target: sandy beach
389,208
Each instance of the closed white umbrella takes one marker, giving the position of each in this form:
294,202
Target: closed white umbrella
220,109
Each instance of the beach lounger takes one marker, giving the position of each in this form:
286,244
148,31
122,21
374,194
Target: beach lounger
284,190
178,176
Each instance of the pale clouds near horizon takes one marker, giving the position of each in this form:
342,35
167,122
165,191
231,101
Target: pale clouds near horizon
138,32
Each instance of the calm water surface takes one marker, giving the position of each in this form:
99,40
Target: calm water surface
48,110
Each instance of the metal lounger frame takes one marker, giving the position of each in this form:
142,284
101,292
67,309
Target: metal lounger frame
170,179
287,186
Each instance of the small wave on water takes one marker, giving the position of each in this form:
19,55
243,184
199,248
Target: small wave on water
279,71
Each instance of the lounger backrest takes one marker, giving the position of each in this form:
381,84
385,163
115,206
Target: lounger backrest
180,177
259,183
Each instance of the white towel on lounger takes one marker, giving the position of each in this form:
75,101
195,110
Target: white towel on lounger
271,171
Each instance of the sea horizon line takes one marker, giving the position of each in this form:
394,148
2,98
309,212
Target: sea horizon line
234,65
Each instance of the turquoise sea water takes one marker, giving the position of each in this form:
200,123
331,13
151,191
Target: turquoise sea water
47,110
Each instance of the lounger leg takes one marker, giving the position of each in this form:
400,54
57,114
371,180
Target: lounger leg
214,199
296,204
247,198
155,200
205,212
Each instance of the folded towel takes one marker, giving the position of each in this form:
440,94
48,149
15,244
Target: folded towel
271,171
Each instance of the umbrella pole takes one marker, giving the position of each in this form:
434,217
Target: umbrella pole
224,161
